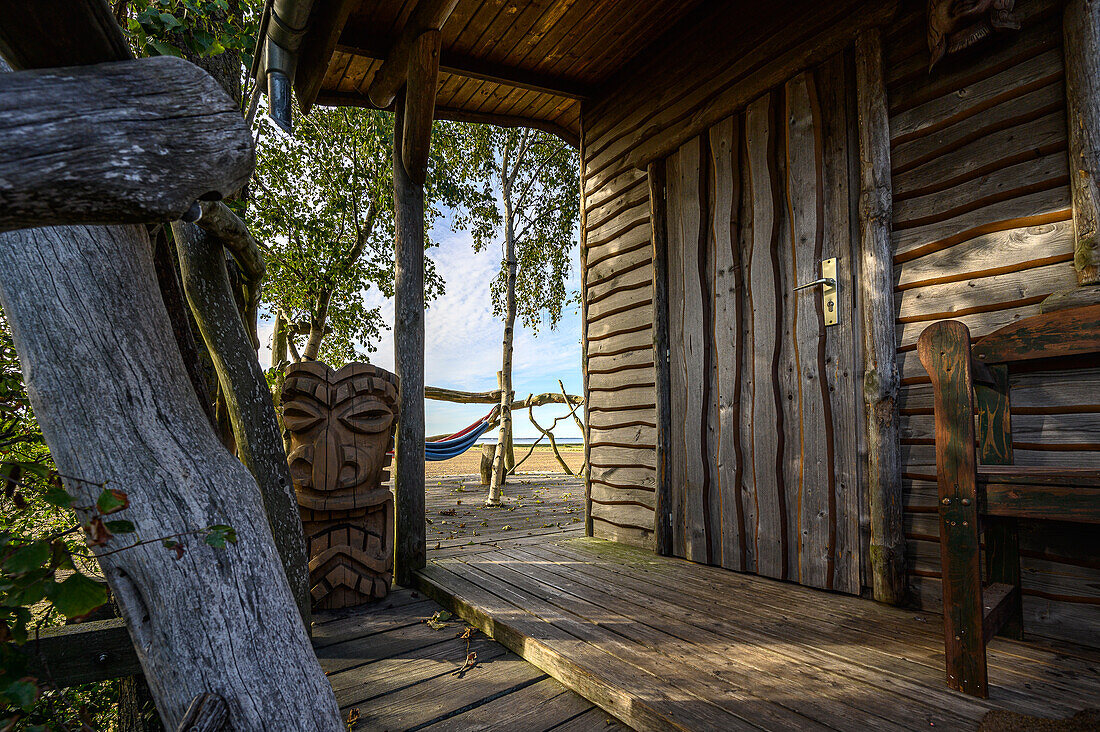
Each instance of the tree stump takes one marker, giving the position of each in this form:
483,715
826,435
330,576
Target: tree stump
488,452
341,426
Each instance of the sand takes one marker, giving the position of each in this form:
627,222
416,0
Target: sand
541,461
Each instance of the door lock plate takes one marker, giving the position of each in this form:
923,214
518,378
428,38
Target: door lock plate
828,294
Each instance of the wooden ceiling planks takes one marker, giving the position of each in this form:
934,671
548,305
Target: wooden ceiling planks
509,57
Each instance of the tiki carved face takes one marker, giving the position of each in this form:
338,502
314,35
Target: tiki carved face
341,427
957,24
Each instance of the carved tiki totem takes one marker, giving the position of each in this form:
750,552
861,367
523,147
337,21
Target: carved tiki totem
341,426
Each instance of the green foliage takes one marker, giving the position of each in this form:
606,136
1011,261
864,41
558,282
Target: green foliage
198,28
525,179
323,206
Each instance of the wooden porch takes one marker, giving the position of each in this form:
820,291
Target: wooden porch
664,643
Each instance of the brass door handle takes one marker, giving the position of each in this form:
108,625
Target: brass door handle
827,281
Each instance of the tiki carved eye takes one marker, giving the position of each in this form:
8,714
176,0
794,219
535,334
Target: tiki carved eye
300,416
368,416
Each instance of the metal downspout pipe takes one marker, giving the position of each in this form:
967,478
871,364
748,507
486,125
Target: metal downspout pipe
285,27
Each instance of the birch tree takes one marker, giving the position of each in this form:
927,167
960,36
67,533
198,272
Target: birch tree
527,203
323,205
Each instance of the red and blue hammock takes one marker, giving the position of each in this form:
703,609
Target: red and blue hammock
459,442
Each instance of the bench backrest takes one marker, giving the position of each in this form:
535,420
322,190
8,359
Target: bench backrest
951,360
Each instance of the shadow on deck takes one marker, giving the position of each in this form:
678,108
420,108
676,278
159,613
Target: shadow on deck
664,643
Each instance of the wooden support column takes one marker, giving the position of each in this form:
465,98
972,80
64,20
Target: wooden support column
412,138
880,372
662,524
584,333
388,80
1081,32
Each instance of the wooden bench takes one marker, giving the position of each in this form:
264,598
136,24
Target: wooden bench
978,484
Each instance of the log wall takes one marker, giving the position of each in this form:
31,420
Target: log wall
705,69
982,233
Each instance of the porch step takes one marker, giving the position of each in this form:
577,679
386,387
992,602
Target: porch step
662,643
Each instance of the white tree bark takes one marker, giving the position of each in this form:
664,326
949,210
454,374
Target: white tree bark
505,438
110,391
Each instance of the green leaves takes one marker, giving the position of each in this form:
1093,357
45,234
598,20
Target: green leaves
20,693
28,558
111,501
77,595
219,535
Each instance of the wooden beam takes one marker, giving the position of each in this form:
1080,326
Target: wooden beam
662,524
656,141
83,653
880,371
48,33
427,15
570,137
471,67
79,125
420,104
1081,40
410,549
326,24
355,99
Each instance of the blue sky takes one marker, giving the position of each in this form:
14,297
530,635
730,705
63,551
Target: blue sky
463,341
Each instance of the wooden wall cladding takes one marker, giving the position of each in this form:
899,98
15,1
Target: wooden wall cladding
617,285
982,234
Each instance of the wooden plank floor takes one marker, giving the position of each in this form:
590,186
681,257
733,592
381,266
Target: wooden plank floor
662,643
392,671
535,505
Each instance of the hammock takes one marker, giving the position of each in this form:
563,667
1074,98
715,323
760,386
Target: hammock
459,442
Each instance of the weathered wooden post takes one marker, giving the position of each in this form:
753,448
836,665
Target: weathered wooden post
412,137
662,517
1081,36
880,371
121,142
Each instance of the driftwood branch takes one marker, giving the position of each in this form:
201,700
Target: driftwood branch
219,221
439,394
104,144
115,404
251,411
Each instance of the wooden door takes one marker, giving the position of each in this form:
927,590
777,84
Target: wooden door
762,451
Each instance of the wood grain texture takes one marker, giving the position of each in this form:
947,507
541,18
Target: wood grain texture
660,356
86,168
998,112
1082,45
101,402
772,549
410,546
725,150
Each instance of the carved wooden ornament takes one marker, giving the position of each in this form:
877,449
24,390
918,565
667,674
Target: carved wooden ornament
341,426
954,25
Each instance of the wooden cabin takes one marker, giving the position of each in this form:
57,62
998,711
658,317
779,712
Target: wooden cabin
777,200
780,203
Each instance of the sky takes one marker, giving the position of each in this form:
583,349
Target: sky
463,341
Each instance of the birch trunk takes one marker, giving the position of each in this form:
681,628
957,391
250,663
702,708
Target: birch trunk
114,401
505,438
317,326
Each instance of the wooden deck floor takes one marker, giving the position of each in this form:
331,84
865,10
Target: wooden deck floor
666,644
392,671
